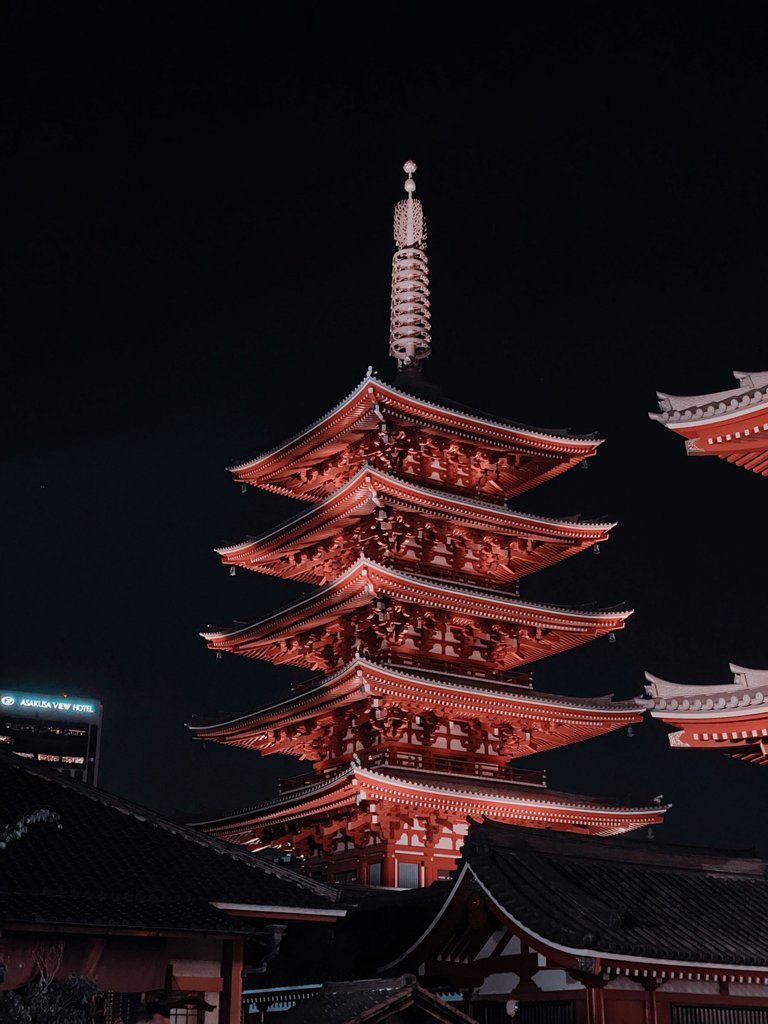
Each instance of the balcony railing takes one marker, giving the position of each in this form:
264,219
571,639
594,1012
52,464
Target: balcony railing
435,666
392,757
407,760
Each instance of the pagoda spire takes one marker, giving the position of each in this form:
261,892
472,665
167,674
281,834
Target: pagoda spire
409,337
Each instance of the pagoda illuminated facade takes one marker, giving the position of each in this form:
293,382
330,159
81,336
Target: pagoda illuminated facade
419,702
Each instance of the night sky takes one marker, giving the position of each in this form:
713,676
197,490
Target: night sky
196,264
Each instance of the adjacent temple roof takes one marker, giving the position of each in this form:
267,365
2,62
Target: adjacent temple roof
619,900
730,424
110,863
749,688
752,391
731,717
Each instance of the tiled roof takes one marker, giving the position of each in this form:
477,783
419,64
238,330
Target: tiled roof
379,925
112,863
613,896
481,419
295,703
749,688
375,1000
753,391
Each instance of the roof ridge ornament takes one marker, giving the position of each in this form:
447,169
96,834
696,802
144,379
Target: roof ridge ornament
409,337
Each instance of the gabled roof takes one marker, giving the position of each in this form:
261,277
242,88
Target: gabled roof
372,1001
620,900
366,580
114,864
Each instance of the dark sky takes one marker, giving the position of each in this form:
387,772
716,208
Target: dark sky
195,264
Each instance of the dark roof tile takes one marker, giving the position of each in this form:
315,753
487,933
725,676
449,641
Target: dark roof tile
617,896
112,861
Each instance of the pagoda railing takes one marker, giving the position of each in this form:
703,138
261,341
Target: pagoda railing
425,762
436,667
390,757
461,668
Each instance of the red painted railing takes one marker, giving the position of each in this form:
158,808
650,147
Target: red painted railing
389,757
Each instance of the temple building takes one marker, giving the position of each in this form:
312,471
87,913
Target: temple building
418,701
731,718
733,425
553,929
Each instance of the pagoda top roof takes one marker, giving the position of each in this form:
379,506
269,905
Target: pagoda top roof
365,576
626,902
748,689
451,418
679,410
354,778
296,703
371,479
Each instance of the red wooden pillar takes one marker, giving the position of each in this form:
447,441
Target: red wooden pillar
595,1002
389,870
651,1015
230,1007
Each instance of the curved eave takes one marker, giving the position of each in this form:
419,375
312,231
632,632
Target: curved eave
750,691
351,684
359,498
678,411
368,481
367,577
710,717
514,803
371,389
620,961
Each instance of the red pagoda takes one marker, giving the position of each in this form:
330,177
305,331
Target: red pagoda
417,639
733,425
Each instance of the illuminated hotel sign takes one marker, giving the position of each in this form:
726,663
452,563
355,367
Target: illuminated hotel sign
34,703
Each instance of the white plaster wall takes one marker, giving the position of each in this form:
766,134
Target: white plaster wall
499,984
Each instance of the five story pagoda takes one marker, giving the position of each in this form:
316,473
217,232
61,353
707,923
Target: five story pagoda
419,704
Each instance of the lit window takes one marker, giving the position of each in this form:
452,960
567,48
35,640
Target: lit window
48,757
73,760
5,738
185,1015
23,753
